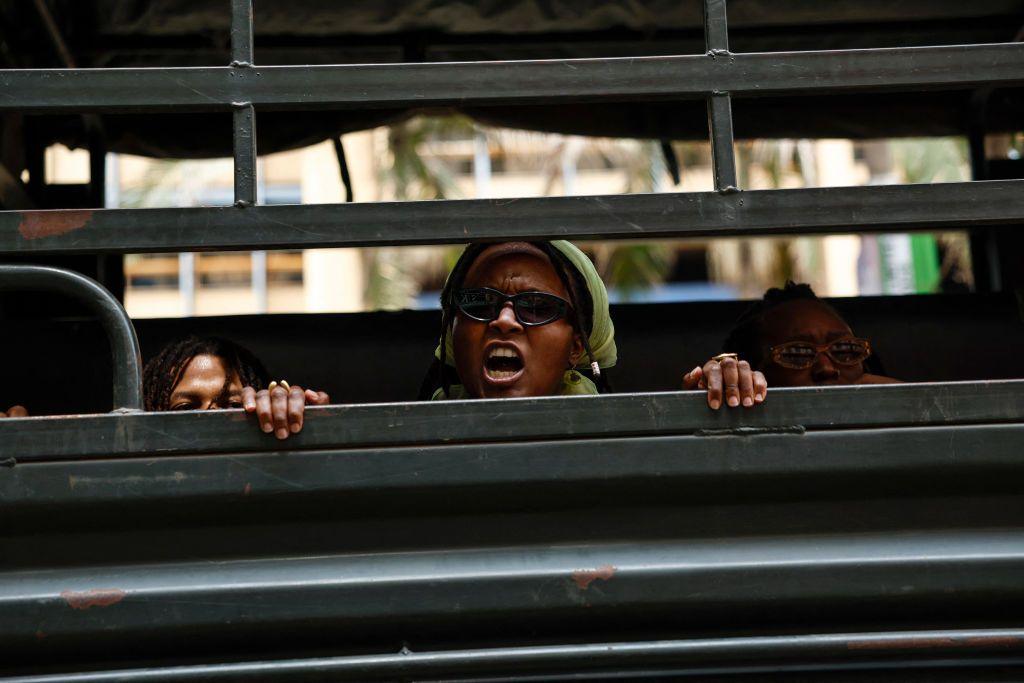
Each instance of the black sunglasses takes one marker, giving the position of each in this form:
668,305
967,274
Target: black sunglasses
531,308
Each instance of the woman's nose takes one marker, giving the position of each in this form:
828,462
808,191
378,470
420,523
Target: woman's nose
823,368
506,321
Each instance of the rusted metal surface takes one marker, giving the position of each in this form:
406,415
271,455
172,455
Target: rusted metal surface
36,225
93,597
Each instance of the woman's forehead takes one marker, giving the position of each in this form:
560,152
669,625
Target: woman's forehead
804,318
207,368
518,261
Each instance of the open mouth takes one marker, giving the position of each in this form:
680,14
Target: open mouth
503,364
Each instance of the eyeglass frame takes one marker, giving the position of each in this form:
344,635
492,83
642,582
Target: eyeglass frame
820,348
563,311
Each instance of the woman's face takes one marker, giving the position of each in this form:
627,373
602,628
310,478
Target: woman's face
810,321
207,385
503,358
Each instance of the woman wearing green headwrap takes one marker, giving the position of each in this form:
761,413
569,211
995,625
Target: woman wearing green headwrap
531,319
522,319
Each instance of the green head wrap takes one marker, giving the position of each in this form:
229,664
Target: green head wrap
601,339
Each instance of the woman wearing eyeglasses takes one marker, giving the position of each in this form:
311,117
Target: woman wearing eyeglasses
797,340
531,319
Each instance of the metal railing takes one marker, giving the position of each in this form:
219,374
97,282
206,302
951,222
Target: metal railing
124,345
717,77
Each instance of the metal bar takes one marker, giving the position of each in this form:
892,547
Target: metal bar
97,164
695,466
709,579
244,113
124,346
716,27
985,259
723,156
615,415
708,656
521,82
241,33
805,211
245,154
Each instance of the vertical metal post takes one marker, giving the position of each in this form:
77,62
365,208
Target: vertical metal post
716,38
244,113
984,247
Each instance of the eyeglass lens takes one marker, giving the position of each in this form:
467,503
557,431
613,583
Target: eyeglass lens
531,308
843,351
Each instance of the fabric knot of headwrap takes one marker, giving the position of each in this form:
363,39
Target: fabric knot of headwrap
601,339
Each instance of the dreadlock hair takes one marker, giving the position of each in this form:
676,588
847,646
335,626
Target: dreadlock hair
746,331
164,371
581,318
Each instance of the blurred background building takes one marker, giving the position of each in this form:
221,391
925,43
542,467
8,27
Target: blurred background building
451,157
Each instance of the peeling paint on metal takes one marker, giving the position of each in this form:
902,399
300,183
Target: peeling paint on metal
584,577
94,597
38,224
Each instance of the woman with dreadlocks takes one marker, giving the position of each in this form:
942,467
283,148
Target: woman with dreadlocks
210,373
530,319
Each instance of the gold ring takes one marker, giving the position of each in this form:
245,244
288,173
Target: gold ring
722,356
283,384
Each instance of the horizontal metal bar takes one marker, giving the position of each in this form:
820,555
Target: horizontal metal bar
615,415
124,345
697,465
519,82
706,656
816,210
709,580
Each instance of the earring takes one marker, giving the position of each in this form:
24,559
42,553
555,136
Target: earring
574,377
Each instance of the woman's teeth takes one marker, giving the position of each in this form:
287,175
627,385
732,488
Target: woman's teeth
503,362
